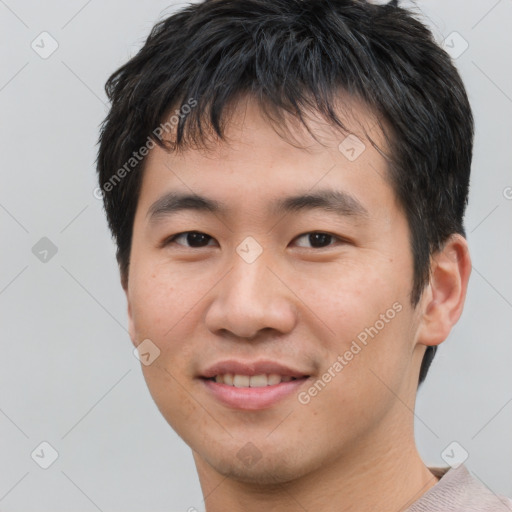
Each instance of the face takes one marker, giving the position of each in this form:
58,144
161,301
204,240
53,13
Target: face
278,305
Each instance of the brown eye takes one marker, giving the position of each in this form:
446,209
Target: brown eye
316,239
192,239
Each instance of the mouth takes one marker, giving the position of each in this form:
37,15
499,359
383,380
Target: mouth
251,386
252,381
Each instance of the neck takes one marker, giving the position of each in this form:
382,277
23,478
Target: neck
371,476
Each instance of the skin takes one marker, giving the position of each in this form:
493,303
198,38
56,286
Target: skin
297,304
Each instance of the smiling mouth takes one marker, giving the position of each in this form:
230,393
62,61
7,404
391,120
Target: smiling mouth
253,381
252,392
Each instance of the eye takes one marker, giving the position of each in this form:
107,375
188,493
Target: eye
197,239
317,239
193,239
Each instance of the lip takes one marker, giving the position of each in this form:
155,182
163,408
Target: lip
251,368
252,398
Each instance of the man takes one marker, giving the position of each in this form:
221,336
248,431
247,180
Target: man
286,183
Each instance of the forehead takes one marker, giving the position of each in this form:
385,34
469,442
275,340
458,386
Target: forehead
246,120
261,158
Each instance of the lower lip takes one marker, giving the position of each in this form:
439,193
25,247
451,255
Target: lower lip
252,398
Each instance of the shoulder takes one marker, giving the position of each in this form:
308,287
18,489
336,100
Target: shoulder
459,491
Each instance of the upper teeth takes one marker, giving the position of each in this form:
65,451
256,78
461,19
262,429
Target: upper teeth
255,381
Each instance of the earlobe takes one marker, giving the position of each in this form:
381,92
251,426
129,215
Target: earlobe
443,299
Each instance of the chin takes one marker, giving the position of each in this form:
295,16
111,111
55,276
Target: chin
270,466
262,473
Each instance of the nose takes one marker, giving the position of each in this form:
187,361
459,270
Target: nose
252,297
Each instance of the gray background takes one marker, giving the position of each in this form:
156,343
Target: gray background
67,372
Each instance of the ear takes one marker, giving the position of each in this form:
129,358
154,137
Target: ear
131,327
123,275
131,324
443,299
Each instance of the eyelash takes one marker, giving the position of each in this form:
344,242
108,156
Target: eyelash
173,238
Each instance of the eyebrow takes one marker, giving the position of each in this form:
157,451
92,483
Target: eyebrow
337,201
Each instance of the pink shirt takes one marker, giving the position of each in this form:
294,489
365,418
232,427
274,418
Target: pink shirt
459,491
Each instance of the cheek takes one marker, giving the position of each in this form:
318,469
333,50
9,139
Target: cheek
370,327
348,297
157,302
364,379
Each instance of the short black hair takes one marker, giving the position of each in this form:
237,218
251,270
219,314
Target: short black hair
292,55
